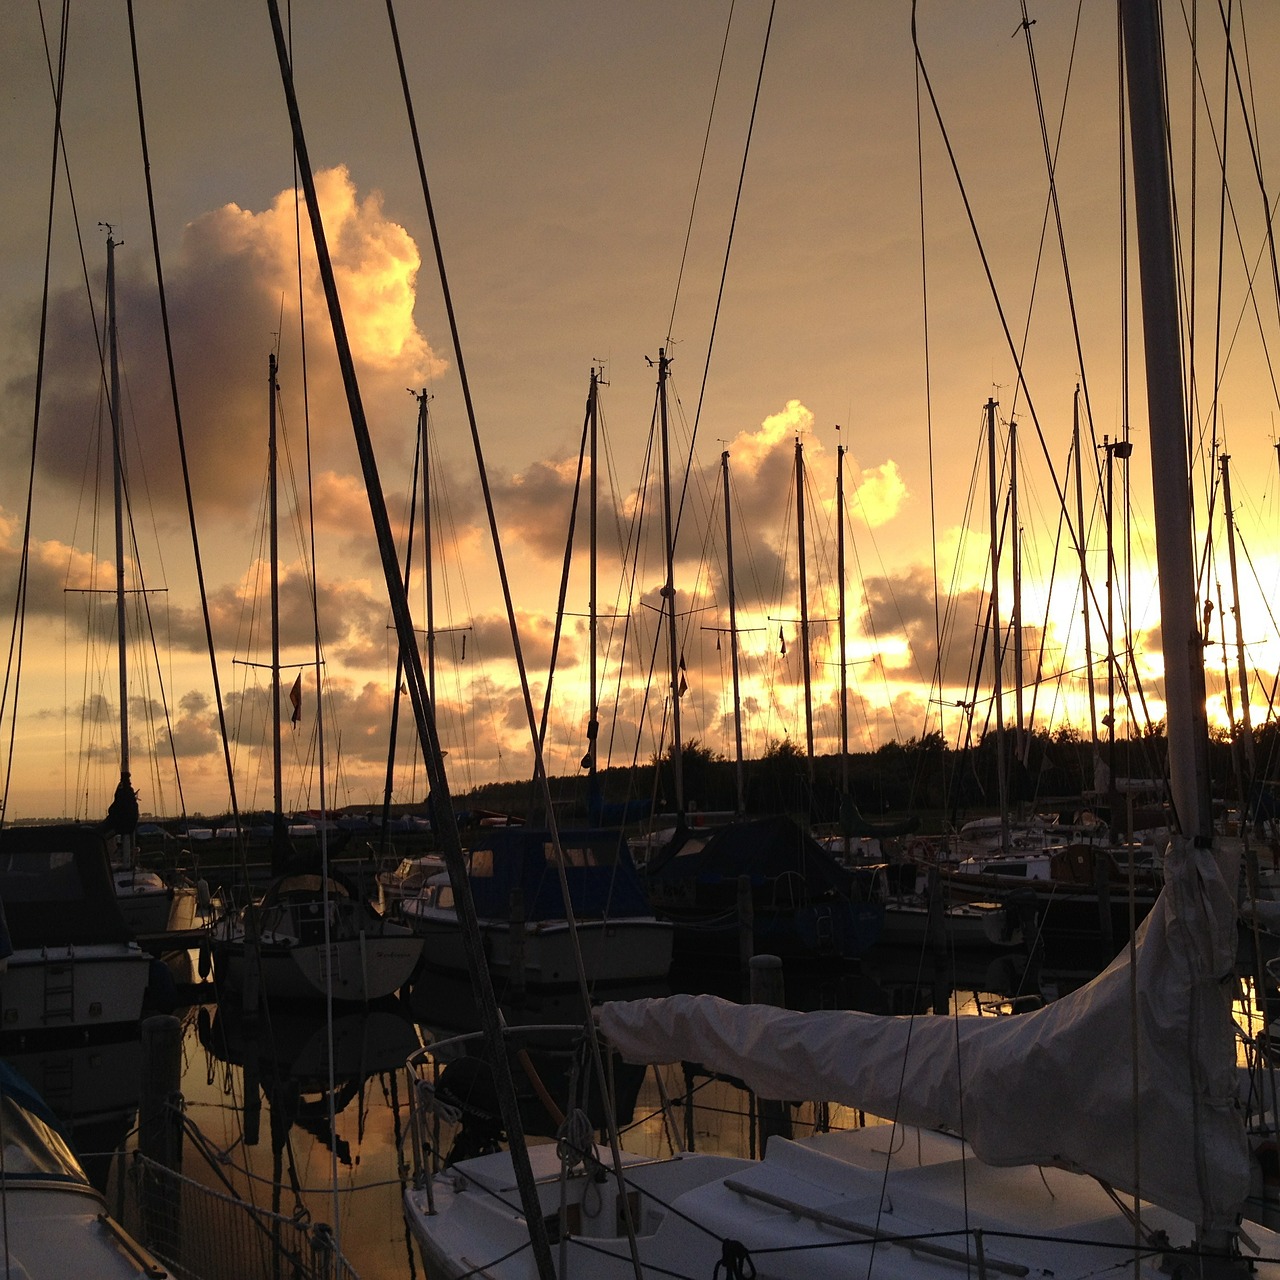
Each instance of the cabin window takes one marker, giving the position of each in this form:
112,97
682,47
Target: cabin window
581,855
40,877
481,864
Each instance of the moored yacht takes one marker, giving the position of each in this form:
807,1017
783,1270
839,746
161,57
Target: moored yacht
620,938
313,937
75,966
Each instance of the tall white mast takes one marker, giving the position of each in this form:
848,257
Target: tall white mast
1187,719
124,788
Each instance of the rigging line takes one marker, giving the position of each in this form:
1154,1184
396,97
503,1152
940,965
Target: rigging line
424,714
564,582
1251,272
13,662
1188,274
936,678
702,162
419,460
1051,165
1122,138
629,540
164,697
986,267
1222,238
181,436
144,593
486,491
724,271
1044,632
319,666
1256,156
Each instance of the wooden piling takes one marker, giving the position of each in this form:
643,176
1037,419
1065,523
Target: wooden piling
768,987
160,1125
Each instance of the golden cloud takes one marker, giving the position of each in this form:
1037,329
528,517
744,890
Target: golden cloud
751,448
879,494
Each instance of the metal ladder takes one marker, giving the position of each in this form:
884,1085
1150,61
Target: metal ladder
60,988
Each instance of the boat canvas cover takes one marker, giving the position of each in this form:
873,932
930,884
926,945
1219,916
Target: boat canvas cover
602,878
762,849
1052,1087
56,886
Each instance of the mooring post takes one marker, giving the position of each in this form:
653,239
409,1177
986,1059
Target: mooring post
767,987
160,1126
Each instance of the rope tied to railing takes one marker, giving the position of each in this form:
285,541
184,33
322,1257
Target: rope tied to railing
575,1140
431,1102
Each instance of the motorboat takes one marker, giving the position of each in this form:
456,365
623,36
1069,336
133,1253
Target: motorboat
75,965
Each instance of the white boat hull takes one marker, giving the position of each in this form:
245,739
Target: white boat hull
52,1232
50,989
963,924
888,1204
363,968
613,951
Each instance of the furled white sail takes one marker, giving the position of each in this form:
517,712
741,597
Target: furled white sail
1053,1087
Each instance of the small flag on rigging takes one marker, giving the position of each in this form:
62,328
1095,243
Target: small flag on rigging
684,683
782,640
295,698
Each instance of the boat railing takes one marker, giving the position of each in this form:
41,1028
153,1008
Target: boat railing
681,1106
436,1115
201,1233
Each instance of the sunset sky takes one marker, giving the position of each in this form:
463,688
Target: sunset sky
563,143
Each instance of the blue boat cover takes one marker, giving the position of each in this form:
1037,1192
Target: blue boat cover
762,849
602,878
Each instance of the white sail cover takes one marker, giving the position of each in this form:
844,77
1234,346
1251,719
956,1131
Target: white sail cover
1053,1087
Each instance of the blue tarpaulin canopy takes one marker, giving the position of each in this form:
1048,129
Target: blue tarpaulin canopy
602,879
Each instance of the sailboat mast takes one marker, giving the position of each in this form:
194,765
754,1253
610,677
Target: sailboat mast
739,781
669,587
593,621
1113,449
844,664
117,472
1084,572
393,735
804,610
1246,726
273,514
997,646
1015,549
1187,718
428,567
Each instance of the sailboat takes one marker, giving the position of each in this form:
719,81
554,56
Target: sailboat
149,904
620,938
804,904
1100,1134
312,935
